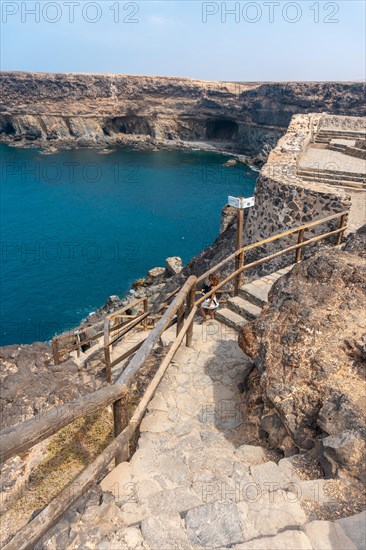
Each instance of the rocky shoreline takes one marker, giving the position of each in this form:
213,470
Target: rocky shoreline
298,394
141,143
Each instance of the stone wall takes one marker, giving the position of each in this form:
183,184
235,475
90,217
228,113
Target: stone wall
282,201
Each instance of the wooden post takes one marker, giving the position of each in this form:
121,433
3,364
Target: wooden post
77,342
191,298
120,418
107,351
180,318
239,244
145,311
343,223
56,357
298,252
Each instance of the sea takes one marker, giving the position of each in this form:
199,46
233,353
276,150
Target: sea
79,225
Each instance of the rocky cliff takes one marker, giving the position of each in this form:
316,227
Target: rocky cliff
100,110
308,387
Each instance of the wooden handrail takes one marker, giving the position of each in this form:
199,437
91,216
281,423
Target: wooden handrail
20,438
125,308
126,327
248,247
297,246
33,532
57,351
23,436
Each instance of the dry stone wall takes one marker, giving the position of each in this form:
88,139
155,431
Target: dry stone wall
282,201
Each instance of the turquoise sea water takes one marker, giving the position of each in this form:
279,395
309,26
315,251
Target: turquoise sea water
78,226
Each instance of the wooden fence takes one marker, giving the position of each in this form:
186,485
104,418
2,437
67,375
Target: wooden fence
121,322
18,439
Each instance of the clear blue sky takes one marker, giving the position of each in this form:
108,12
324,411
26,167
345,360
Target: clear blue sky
262,40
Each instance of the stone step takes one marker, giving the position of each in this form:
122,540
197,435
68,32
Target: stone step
244,308
318,176
329,181
334,134
354,176
230,318
337,147
356,152
256,293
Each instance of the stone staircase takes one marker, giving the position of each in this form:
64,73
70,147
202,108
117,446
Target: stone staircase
248,305
332,177
326,135
196,480
193,482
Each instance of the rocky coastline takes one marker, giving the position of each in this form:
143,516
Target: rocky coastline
101,111
315,409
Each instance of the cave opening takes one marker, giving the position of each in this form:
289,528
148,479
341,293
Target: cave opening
127,125
222,130
6,127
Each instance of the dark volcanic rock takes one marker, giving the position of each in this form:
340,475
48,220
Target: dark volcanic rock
308,348
344,451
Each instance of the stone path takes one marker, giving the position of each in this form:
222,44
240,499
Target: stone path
248,305
192,483
321,159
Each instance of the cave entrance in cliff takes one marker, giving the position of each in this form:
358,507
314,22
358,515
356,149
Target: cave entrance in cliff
127,125
6,127
222,130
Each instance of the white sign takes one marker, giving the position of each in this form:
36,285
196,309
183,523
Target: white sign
241,202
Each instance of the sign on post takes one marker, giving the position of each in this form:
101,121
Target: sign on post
240,202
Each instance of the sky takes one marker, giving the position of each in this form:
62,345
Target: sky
228,41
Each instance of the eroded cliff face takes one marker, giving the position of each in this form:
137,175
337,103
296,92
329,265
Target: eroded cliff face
307,387
100,110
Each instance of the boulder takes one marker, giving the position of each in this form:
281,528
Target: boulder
155,276
355,529
139,283
173,265
325,535
344,452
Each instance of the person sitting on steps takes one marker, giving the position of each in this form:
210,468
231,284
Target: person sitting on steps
211,303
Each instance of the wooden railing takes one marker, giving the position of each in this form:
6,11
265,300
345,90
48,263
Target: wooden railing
19,439
240,265
115,327
121,322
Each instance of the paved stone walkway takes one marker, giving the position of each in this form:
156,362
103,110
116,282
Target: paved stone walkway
325,159
192,483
